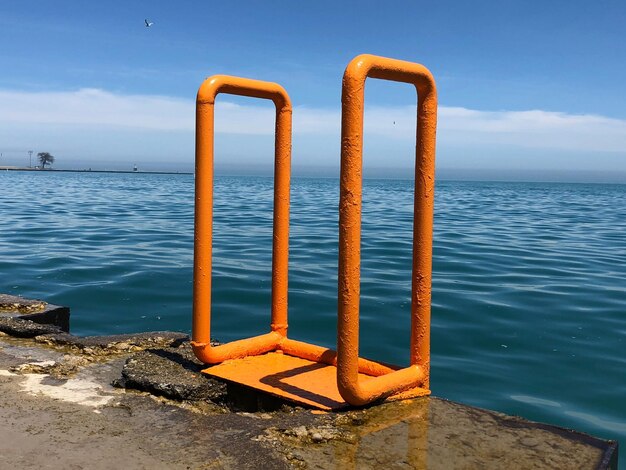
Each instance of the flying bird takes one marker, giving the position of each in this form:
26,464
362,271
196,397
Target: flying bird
148,23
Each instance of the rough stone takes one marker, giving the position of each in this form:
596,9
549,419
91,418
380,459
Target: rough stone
173,373
36,311
11,303
26,328
105,345
42,367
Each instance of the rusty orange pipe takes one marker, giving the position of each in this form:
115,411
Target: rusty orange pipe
201,327
328,356
417,374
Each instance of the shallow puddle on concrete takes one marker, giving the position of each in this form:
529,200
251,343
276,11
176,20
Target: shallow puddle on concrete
21,349
437,434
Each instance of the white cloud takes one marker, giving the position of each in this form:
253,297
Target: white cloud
69,120
534,129
93,107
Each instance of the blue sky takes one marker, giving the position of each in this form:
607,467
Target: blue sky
523,86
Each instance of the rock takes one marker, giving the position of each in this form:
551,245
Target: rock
173,373
42,367
25,328
11,303
300,432
529,442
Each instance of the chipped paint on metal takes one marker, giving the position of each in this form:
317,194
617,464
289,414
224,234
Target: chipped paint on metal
417,374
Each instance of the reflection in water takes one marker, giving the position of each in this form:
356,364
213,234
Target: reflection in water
535,401
615,426
438,434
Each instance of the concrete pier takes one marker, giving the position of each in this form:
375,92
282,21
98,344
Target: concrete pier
139,401
36,311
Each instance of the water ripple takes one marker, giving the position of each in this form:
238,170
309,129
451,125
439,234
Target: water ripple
528,279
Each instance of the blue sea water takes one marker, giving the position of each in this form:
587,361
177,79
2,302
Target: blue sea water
529,279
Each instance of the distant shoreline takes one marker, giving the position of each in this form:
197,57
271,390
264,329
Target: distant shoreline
445,174
15,168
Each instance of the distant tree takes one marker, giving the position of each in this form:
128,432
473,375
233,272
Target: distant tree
45,158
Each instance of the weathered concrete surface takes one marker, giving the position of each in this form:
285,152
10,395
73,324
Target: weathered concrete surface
59,409
434,433
106,345
57,405
83,422
36,311
46,330
13,304
25,328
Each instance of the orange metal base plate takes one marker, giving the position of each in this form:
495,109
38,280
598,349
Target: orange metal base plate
298,380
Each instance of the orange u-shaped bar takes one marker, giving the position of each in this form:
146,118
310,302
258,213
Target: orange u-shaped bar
201,328
417,374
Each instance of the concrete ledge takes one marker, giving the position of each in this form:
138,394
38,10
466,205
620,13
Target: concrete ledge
64,378
26,328
431,433
197,429
36,311
106,345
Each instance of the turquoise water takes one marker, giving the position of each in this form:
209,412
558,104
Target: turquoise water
529,279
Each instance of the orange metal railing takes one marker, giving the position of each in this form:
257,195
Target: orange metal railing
205,104
384,380
417,374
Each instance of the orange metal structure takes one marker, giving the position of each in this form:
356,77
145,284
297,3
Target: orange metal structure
203,241
272,362
417,374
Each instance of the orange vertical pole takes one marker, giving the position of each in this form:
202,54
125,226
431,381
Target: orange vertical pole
201,325
417,374
280,250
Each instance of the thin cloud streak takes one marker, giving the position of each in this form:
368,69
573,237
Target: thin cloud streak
95,108
534,129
